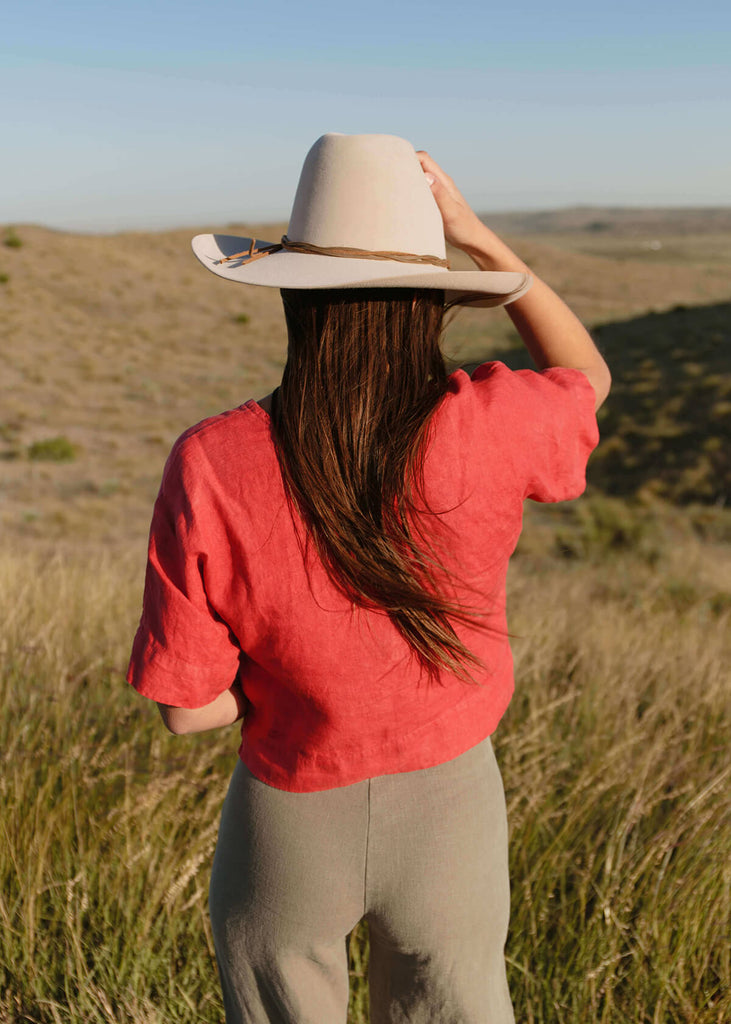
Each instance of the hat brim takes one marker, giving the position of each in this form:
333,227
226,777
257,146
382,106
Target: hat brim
284,269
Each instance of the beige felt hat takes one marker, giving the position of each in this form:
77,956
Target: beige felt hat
363,217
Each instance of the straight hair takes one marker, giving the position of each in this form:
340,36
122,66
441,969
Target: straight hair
364,374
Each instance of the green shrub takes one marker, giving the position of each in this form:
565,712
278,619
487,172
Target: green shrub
241,318
12,239
600,526
53,449
8,431
720,603
4,278
679,595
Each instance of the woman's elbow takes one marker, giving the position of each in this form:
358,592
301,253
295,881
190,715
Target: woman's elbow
176,720
601,380
223,710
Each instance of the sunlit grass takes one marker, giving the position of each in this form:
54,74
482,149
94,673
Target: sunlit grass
614,765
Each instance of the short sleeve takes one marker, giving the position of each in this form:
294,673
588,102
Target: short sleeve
547,424
183,653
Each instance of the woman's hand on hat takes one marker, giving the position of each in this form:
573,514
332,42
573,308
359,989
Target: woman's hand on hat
461,223
462,227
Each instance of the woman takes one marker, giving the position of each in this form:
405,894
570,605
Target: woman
328,564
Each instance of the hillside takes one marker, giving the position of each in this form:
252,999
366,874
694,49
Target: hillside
666,428
615,220
112,345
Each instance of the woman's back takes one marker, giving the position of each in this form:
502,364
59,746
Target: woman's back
334,691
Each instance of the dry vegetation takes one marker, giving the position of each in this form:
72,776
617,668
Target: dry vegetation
613,751
117,343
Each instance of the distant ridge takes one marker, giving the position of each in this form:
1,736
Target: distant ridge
597,221
614,220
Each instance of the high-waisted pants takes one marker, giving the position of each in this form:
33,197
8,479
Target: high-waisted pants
422,855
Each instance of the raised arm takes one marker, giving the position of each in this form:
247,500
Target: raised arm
553,335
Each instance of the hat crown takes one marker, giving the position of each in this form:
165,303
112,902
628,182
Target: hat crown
366,192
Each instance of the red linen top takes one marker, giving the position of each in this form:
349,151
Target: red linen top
334,694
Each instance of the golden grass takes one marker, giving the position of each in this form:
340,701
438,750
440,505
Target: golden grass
614,765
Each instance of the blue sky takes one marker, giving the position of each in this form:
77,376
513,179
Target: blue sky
176,113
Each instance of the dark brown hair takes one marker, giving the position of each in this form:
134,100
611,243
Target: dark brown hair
364,374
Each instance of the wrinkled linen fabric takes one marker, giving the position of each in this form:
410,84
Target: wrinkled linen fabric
334,695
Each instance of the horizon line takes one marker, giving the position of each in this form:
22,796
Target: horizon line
505,212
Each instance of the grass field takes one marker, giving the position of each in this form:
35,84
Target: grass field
614,751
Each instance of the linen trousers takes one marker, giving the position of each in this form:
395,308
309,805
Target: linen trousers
421,855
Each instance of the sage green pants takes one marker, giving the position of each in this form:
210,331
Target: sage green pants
422,855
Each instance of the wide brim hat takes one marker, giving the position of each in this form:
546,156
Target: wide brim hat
363,217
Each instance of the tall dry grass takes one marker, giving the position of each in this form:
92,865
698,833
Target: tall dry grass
613,754
617,773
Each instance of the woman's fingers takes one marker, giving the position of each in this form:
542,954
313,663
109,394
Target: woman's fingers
439,182
430,166
459,220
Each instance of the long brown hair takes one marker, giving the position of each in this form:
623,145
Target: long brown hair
364,374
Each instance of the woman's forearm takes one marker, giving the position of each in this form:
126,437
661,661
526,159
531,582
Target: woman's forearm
551,332
226,709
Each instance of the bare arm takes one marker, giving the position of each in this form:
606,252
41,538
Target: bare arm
226,709
553,335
